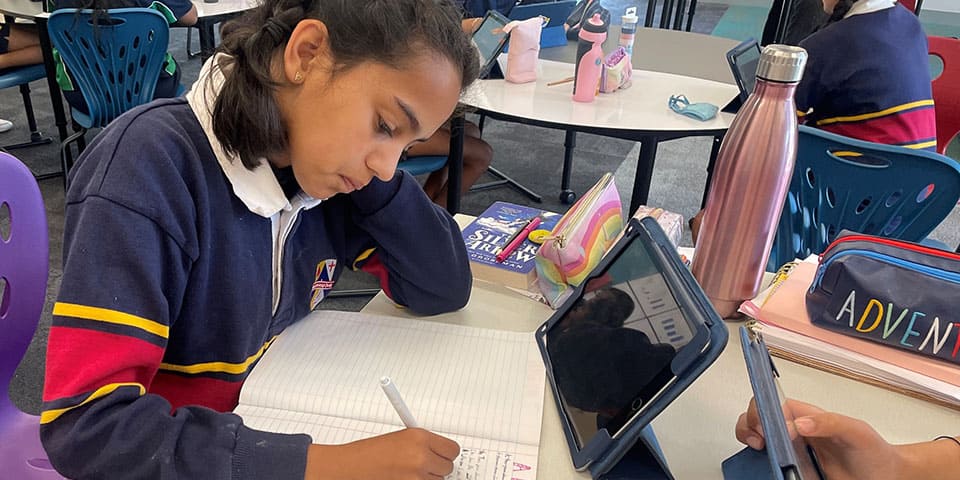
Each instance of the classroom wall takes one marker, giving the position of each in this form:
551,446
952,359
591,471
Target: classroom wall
941,6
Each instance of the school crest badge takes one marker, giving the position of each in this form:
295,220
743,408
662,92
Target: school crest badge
322,282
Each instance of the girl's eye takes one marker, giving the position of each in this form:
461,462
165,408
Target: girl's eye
383,127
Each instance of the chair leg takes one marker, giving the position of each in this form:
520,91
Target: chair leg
78,137
36,138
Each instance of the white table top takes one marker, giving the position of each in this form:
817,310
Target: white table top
223,7
25,9
667,51
696,432
642,107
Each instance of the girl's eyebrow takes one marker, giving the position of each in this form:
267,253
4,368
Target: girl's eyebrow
414,123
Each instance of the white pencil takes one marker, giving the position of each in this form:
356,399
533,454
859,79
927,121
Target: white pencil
390,389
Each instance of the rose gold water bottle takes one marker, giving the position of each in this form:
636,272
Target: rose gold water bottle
750,181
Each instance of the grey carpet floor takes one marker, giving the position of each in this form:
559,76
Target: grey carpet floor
531,155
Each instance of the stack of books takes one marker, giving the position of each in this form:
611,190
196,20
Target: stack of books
781,312
492,230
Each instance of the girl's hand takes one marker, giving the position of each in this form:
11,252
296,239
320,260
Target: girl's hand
847,448
412,454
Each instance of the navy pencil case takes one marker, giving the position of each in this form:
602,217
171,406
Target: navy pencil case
897,293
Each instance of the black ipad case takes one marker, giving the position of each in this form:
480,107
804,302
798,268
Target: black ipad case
778,460
636,453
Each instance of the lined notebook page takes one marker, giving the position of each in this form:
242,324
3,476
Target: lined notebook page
483,388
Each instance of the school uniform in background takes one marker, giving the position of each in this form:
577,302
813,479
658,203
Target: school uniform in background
169,81
207,263
868,77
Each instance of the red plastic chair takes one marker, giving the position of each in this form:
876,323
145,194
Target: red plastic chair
23,264
946,89
912,5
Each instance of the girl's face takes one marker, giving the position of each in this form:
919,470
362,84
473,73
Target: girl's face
347,128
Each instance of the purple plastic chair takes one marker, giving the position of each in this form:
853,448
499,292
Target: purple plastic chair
23,265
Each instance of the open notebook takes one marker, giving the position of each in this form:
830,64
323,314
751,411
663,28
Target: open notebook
482,388
782,313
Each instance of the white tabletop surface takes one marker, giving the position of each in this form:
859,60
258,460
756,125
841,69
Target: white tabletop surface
642,107
696,432
222,7
664,50
21,8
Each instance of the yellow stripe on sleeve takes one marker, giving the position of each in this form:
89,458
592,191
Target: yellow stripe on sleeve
110,316
881,113
51,415
930,144
363,256
218,367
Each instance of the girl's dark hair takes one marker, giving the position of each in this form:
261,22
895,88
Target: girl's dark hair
841,9
246,118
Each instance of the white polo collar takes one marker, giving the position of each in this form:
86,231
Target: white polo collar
258,189
869,6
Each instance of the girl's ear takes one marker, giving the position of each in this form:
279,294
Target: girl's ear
307,51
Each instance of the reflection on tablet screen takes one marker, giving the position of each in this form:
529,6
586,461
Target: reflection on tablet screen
612,349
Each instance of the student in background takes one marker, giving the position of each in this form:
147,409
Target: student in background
848,448
808,16
868,77
199,228
180,13
19,46
477,154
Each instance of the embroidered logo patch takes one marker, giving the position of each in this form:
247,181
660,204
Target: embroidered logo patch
323,281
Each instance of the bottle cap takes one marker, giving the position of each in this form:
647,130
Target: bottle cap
595,24
782,63
630,16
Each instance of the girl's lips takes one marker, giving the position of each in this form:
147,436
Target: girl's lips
351,185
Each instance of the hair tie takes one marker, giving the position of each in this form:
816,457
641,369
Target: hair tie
277,30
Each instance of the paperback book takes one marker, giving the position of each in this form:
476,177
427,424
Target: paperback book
492,230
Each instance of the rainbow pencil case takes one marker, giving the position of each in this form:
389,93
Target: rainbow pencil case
579,240
897,293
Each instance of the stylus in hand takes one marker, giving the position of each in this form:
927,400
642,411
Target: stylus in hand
390,389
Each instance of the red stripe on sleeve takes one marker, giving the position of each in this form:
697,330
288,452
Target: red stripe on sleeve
374,266
179,390
900,128
81,360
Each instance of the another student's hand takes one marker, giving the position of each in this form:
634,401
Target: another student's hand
847,448
412,453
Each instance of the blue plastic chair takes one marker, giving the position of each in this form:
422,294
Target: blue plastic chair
422,165
115,62
841,183
21,77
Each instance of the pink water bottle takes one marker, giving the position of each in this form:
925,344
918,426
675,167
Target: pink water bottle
586,74
750,182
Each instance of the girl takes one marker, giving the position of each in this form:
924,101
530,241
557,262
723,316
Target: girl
867,75
19,45
198,229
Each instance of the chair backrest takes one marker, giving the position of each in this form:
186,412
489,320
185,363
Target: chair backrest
842,183
115,60
423,164
23,268
946,89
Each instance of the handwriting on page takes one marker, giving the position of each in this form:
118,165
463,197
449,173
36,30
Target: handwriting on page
475,464
482,388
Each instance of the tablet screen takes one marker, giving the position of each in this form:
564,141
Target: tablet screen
489,38
611,351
